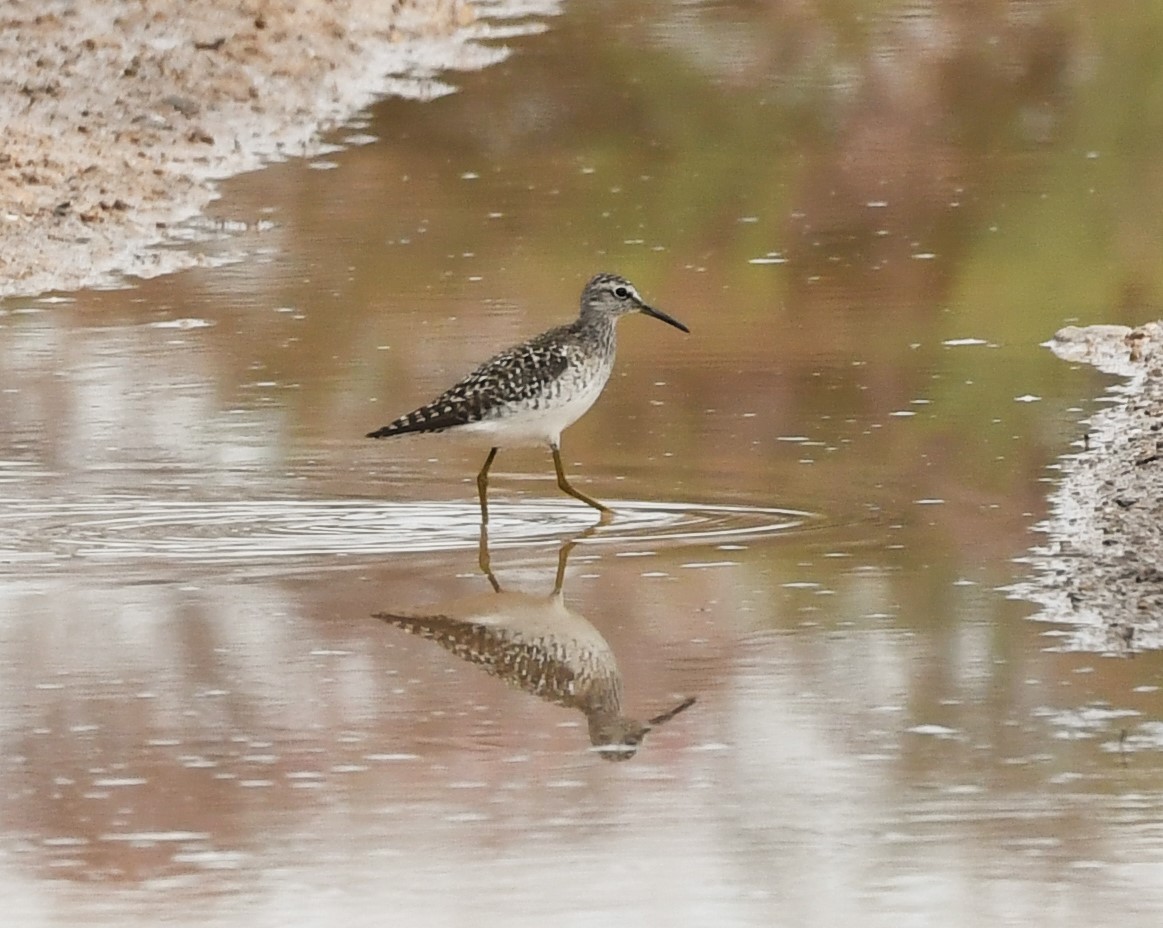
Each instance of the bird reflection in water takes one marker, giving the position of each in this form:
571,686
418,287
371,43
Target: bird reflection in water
539,645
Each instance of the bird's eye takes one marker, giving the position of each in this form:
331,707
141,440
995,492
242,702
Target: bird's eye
621,293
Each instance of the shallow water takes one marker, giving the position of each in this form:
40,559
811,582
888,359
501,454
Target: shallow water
869,223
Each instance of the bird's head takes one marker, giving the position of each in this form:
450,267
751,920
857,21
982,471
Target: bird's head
615,296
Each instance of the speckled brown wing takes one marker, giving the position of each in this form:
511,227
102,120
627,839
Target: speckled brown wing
510,378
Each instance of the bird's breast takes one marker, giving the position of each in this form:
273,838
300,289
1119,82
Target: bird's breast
540,417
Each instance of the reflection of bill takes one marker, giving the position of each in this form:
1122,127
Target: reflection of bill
540,646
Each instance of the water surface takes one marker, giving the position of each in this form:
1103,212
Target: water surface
869,220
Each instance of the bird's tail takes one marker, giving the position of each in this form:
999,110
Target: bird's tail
404,424
392,428
432,418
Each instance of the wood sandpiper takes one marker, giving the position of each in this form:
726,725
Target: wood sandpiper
538,644
528,394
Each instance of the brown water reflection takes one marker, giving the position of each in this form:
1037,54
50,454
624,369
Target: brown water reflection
870,220
540,646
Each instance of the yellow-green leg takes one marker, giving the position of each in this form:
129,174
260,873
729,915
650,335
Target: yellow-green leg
483,486
562,559
566,487
483,558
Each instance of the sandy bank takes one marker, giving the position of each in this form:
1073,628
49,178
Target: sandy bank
1101,570
119,115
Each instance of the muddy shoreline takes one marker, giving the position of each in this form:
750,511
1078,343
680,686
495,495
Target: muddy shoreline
120,116
1100,572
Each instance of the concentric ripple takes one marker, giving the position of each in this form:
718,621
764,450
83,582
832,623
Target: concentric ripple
122,529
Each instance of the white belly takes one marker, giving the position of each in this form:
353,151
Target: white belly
528,425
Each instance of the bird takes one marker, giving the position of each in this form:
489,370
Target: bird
529,393
537,644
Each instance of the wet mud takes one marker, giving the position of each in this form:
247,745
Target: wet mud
1101,569
119,117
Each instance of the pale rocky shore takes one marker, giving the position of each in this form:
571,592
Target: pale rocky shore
1100,572
120,115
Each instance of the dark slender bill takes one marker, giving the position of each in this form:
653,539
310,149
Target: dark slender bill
669,320
671,713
